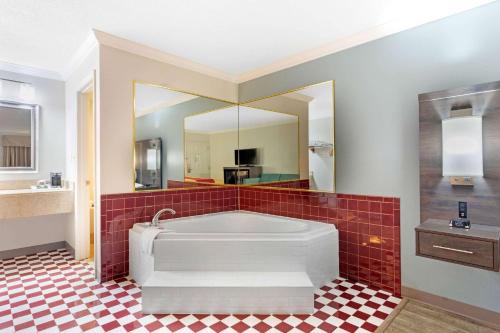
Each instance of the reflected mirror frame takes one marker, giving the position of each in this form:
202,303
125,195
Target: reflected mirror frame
333,137
136,82
34,109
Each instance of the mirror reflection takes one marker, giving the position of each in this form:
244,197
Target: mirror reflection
211,139
185,140
269,144
160,159
17,137
313,107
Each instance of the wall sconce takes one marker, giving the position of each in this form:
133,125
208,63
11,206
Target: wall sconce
16,90
26,92
462,148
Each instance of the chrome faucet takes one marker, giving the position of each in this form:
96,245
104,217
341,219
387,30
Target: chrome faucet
154,222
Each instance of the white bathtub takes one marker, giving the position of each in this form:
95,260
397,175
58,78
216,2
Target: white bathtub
238,243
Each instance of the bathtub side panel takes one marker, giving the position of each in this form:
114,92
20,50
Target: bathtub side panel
323,258
230,255
140,264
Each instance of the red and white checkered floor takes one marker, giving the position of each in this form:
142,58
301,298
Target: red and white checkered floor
52,292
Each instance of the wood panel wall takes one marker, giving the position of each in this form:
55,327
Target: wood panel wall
438,199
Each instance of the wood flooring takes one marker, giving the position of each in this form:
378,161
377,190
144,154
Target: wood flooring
415,317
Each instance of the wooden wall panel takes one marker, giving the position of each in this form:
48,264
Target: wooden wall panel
438,199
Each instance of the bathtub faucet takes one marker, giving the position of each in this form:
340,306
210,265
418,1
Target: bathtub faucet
154,222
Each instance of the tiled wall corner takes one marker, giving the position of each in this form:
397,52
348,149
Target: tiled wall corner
369,226
369,229
119,212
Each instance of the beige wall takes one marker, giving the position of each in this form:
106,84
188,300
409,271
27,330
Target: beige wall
277,145
118,69
299,108
222,147
201,170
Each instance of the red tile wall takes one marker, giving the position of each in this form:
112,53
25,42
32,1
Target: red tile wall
119,212
369,228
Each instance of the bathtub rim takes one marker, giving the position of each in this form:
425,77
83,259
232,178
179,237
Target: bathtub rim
315,228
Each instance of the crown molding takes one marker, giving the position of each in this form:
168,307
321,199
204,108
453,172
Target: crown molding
97,37
155,54
85,49
390,28
28,70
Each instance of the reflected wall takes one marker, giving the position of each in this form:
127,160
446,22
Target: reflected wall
186,140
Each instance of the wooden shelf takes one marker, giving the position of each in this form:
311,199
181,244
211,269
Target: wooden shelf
475,247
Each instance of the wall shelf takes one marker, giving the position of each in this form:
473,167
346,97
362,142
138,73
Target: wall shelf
476,247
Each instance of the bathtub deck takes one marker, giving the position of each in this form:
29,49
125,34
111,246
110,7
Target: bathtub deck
228,292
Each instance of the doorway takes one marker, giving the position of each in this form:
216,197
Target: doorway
86,210
89,158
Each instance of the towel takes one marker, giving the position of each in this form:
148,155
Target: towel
147,239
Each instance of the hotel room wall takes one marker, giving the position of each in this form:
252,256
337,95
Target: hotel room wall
376,113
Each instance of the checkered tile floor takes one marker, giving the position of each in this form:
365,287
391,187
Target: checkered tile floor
52,292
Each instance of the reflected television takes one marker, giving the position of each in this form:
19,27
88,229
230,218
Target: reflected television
245,156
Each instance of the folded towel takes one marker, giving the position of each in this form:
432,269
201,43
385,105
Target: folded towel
147,239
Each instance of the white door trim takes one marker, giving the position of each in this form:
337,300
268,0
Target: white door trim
82,208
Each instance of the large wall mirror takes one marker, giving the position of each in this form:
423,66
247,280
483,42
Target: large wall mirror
298,151
168,155
186,140
18,136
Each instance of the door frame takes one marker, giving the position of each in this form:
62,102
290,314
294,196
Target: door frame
82,207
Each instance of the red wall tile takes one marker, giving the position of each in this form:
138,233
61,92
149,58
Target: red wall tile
368,227
119,212
369,230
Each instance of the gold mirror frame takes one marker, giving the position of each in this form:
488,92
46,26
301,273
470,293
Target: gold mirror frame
134,104
237,104
333,137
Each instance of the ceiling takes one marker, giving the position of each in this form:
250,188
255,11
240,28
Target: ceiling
238,39
227,120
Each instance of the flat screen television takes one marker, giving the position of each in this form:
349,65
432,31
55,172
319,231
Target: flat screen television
246,156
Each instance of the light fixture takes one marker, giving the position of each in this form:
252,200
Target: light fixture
26,92
16,90
151,159
462,148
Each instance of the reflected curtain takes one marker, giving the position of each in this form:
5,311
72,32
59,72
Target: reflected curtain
16,150
16,156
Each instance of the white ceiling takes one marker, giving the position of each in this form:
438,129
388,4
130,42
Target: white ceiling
227,120
243,38
149,98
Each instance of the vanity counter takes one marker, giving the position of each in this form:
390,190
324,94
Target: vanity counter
29,190
16,203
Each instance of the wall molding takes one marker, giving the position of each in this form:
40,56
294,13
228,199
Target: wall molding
392,27
85,49
480,315
32,71
158,55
